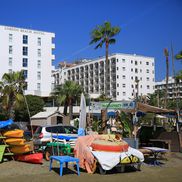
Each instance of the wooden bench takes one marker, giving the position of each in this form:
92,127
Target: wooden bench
66,160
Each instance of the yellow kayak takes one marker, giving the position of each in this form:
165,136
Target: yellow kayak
20,149
15,141
14,133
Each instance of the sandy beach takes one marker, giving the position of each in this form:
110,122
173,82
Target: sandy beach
15,171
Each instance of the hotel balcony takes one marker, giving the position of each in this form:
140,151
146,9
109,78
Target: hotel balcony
53,46
53,57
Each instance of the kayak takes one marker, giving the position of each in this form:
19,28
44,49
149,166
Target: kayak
15,141
20,149
3,124
63,137
30,158
14,133
109,146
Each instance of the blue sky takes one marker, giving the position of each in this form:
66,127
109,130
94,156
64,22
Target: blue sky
147,26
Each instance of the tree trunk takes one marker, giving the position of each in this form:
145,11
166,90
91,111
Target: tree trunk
70,109
167,76
106,67
65,108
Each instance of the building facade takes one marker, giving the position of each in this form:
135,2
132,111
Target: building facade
128,76
174,89
30,51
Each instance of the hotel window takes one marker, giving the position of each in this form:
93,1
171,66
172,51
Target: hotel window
124,76
124,93
132,77
147,63
117,60
10,71
117,84
124,85
148,87
10,61
10,49
136,62
117,76
39,64
140,62
131,61
39,52
132,86
25,39
38,75
147,70
152,71
117,93
131,69
123,60
39,41
117,68
25,51
25,86
140,86
25,62
147,78
38,86
25,73
124,69
140,78
10,37
136,70
140,70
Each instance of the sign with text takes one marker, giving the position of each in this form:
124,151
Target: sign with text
113,105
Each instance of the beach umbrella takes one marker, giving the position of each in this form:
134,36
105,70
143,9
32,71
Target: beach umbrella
82,118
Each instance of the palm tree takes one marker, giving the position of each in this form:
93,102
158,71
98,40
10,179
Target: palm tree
11,88
66,94
103,34
179,56
166,53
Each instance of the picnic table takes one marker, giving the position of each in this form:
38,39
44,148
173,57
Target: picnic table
155,151
163,141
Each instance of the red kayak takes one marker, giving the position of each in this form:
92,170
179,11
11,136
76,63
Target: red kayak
31,158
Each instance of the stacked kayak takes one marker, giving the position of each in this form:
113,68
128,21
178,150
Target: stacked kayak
109,146
31,158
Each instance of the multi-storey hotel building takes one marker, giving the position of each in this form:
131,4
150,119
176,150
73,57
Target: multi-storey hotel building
174,90
30,51
127,76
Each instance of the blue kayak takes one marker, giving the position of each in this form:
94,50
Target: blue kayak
8,122
63,137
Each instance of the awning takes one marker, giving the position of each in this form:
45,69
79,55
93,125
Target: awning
152,109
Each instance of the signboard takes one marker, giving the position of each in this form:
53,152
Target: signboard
113,105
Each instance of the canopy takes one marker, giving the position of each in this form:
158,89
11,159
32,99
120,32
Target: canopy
152,109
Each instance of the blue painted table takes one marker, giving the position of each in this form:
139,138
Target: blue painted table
156,151
66,160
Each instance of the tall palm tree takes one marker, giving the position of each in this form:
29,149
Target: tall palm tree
11,88
103,34
66,94
166,53
179,56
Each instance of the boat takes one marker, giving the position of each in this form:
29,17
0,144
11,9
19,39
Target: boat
15,141
30,158
8,122
13,133
20,149
109,146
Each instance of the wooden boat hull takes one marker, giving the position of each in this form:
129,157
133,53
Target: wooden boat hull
31,158
20,149
13,133
15,141
103,145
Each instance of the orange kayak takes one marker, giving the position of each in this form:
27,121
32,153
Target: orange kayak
14,133
15,141
20,149
108,146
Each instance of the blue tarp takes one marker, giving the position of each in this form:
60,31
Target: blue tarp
63,137
8,122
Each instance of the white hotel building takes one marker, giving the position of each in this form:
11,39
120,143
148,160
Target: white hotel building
124,70
31,51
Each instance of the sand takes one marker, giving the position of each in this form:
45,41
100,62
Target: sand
170,171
